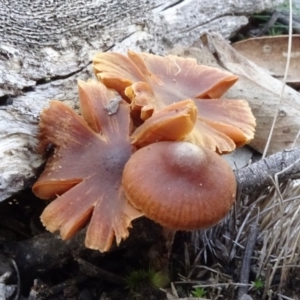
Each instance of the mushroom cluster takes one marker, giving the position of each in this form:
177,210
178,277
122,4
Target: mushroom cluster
150,83
148,142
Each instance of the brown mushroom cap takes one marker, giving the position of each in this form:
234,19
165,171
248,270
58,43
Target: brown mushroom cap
179,185
85,171
151,82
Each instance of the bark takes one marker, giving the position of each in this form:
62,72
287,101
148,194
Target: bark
46,46
283,165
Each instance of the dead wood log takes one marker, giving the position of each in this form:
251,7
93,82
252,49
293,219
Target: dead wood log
46,46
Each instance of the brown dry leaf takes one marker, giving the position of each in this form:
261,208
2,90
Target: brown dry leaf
85,170
270,53
152,83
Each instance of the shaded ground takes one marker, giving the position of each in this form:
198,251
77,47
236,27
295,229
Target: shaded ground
135,270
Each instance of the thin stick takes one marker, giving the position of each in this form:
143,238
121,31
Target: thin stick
18,279
267,281
284,79
269,24
285,297
232,252
246,263
295,140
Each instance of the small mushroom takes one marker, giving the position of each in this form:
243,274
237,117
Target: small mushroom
151,83
179,185
84,173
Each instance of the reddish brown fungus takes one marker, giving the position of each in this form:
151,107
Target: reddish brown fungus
152,82
171,123
185,187
85,170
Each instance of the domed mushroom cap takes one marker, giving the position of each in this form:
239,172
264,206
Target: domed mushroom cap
179,185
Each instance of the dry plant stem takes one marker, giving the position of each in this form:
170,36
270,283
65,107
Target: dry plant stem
246,264
285,224
239,233
259,174
267,282
262,257
279,233
284,297
295,140
284,79
18,279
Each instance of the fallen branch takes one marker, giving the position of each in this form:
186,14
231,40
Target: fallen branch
258,175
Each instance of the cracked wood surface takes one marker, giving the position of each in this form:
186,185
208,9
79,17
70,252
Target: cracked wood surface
45,46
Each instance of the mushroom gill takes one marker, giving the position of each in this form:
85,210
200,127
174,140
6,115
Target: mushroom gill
151,83
84,173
